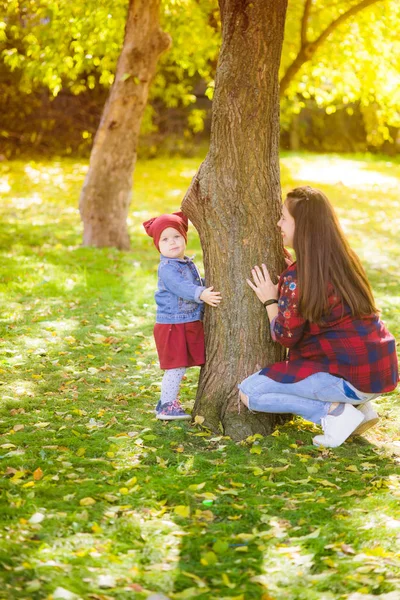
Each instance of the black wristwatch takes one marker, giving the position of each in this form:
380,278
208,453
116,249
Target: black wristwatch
269,302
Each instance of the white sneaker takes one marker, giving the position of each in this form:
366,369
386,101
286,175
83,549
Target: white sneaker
338,428
371,418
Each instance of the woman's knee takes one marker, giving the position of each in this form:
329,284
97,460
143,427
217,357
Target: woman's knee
253,384
244,398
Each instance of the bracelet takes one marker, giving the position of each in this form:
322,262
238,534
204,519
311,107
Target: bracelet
269,302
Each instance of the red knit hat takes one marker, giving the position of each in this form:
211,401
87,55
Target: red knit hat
154,227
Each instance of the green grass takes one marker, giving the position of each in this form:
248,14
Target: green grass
102,500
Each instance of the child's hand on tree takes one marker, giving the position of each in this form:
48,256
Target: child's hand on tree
210,297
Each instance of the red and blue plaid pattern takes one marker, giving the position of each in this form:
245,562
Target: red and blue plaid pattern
360,350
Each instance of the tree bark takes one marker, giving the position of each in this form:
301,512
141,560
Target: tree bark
106,193
234,202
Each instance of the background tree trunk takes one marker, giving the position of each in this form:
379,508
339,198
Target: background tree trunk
234,201
294,133
106,193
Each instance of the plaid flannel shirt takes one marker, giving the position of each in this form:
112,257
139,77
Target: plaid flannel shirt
360,350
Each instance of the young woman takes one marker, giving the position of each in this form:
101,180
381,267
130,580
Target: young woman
340,354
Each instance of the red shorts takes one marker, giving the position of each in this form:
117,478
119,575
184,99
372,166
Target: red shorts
180,345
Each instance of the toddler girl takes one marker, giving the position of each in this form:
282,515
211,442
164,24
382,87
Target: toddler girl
180,299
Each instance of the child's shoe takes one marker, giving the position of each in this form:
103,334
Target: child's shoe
172,411
371,418
338,428
158,406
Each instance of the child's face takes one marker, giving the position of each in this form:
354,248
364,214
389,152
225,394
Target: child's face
172,244
287,226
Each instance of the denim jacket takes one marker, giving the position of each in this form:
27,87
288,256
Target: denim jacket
179,290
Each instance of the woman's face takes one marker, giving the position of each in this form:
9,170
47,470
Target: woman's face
286,225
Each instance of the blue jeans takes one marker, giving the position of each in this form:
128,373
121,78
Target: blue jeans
310,398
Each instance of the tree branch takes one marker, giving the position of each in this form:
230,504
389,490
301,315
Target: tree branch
308,49
346,15
304,22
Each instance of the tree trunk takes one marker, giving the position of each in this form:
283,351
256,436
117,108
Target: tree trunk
106,193
234,202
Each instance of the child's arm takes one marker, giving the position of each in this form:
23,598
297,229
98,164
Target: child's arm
179,286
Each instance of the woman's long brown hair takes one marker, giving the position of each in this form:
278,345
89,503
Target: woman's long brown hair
324,256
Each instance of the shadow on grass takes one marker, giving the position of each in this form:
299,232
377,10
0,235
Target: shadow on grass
104,501
169,507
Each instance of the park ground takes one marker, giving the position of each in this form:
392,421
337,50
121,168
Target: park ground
102,501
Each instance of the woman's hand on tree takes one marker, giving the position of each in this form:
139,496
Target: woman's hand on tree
210,297
262,284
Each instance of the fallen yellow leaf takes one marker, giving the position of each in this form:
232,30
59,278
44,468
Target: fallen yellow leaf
209,558
87,501
38,474
327,483
182,511
196,486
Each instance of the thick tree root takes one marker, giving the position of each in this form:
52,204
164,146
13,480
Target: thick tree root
236,421
239,426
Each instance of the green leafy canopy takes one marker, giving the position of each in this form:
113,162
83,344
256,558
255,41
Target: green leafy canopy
75,46
358,62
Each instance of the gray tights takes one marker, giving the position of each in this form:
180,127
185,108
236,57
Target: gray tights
170,384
